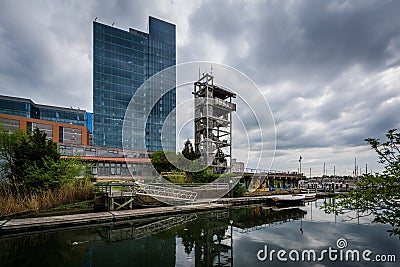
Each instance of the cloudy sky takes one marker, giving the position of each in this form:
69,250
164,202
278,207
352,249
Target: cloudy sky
330,70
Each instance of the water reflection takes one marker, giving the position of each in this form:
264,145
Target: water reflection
229,237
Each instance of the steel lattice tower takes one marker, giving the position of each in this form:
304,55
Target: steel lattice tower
213,123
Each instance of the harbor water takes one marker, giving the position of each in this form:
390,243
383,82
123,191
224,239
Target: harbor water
254,235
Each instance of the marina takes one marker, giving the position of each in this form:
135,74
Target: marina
53,222
225,236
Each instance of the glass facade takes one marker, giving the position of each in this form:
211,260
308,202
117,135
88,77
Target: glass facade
74,117
16,107
26,108
122,61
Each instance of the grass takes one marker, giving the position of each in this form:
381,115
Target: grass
17,200
77,205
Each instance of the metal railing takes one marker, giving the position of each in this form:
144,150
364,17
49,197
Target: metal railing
166,191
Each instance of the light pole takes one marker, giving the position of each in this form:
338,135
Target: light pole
231,187
300,163
231,223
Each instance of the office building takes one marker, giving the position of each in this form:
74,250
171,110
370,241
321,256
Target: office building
122,61
62,125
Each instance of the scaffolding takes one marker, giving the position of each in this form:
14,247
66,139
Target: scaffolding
213,123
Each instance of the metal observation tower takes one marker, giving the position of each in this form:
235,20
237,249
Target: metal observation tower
213,123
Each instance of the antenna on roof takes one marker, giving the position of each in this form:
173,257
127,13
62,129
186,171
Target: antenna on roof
199,73
211,69
95,19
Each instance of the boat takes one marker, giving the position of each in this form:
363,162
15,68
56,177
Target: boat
288,199
309,196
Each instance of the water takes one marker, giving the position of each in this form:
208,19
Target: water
230,237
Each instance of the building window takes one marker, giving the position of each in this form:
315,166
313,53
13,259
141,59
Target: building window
9,124
61,134
72,135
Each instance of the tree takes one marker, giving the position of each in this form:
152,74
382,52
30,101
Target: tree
188,151
379,194
7,154
239,190
161,162
33,162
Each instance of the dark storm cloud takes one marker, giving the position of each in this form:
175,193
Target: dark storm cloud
322,64
46,47
301,39
329,69
43,54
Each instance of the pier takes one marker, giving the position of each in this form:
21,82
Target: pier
67,221
15,226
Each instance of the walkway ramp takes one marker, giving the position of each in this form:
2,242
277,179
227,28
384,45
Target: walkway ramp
166,192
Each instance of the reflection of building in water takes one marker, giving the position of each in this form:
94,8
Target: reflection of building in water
206,236
136,243
148,251
210,241
257,217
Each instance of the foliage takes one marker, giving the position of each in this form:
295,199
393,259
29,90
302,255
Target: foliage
377,194
188,160
239,190
18,199
77,205
31,161
160,162
176,177
52,173
188,151
220,157
8,144
205,176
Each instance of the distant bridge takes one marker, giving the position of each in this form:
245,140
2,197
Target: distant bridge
256,178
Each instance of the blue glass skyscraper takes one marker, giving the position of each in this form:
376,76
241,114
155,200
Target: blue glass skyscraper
122,61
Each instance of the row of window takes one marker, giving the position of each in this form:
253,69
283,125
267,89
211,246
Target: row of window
115,48
100,30
66,134
99,65
9,105
128,89
106,54
10,124
27,110
102,56
116,40
128,80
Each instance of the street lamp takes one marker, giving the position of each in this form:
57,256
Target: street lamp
231,187
300,163
231,223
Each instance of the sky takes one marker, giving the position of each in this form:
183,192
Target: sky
330,70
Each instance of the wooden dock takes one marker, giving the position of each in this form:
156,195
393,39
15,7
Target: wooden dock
13,226
47,223
270,199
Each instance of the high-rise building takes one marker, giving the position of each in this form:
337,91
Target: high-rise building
122,61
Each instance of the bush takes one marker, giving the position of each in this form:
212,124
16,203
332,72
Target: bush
239,190
33,162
